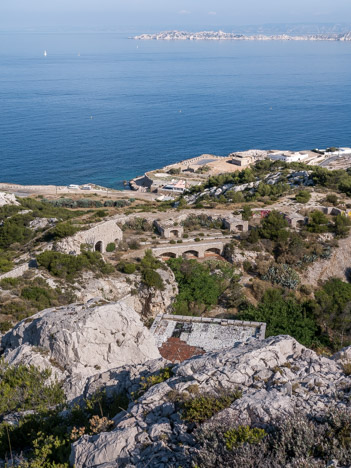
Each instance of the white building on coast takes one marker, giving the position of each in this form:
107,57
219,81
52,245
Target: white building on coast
288,156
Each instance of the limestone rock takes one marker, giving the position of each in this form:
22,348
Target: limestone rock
42,223
7,199
276,376
80,340
150,302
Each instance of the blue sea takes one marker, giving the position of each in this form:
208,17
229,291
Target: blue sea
103,108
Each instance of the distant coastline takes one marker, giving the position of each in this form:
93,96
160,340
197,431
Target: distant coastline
220,35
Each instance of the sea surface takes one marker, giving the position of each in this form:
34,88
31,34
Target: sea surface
103,108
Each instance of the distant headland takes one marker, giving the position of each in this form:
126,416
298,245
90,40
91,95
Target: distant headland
220,35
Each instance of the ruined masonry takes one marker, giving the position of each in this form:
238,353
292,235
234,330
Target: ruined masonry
97,237
180,337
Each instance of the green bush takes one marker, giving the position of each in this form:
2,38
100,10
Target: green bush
174,170
5,265
332,198
9,283
127,268
246,213
40,297
342,225
284,316
303,196
14,230
199,287
273,227
154,379
200,408
317,222
5,326
334,311
152,279
62,230
149,261
100,214
26,388
68,266
243,435
111,247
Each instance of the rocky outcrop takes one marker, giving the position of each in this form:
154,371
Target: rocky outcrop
150,302
7,199
80,340
42,223
109,287
337,266
277,377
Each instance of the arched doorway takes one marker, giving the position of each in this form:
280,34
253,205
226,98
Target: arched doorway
174,233
213,252
99,247
168,255
190,254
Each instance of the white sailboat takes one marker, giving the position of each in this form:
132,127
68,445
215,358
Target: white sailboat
45,53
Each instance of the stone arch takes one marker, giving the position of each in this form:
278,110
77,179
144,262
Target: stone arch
212,251
190,254
174,233
300,223
99,247
239,227
167,255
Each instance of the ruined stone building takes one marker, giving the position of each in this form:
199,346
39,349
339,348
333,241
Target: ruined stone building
180,337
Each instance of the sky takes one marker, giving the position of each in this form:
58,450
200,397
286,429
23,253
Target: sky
158,15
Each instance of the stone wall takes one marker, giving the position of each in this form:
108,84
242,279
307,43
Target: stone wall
16,272
199,249
96,237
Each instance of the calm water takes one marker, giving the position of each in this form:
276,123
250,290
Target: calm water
123,107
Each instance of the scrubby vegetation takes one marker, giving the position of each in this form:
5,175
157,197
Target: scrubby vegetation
296,441
203,285
153,379
29,295
339,180
137,224
68,266
195,407
149,264
45,436
303,196
196,222
87,203
62,230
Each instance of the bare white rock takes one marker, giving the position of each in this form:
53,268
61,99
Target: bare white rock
276,376
7,199
81,340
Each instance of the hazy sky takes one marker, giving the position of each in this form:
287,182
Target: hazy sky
160,14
